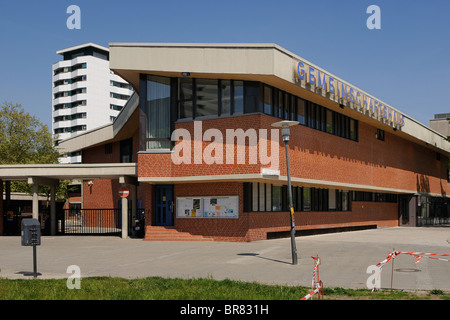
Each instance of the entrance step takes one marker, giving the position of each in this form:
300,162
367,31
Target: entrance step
159,233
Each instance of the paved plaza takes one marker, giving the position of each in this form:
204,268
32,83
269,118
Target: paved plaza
345,258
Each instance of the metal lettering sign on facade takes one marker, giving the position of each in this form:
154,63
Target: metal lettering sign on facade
356,99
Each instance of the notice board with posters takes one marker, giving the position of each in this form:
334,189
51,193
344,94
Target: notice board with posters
208,207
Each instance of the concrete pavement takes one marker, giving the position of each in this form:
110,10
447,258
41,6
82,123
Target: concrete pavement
345,258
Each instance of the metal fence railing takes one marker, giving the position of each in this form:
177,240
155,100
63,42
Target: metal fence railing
89,221
433,221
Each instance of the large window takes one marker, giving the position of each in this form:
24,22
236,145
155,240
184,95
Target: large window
206,97
172,99
373,197
126,151
264,197
158,113
285,106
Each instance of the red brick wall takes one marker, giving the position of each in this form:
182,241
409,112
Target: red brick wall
102,194
161,165
394,163
145,192
97,154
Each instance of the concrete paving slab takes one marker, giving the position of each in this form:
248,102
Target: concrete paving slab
345,258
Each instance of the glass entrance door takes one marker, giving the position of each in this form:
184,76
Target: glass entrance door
403,210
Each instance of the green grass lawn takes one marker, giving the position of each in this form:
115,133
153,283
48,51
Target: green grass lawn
157,288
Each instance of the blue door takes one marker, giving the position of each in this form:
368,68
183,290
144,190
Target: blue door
164,205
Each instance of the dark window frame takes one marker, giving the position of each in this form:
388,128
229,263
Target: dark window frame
380,134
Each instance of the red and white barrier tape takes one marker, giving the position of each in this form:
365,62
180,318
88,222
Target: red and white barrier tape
390,256
417,255
310,295
315,278
315,283
420,255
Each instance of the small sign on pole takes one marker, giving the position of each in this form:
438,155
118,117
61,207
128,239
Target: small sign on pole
124,192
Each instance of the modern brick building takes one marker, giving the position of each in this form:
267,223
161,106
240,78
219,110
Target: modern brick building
210,165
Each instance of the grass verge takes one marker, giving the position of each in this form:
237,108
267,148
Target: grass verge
157,288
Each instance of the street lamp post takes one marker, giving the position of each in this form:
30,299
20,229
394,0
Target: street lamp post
285,133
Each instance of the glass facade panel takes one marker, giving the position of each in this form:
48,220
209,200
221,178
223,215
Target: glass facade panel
280,104
353,130
238,96
268,197
262,195
332,199
276,198
207,98
312,115
186,104
319,118
158,113
292,108
252,97
255,197
286,102
301,111
306,199
225,86
329,116
267,100
214,98
345,202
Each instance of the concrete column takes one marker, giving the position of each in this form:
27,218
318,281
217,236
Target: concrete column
131,181
7,195
124,218
35,201
52,210
1,207
36,182
133,191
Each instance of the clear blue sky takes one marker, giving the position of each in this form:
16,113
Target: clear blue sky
405,63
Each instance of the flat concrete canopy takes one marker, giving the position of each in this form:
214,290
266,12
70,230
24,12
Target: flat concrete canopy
68,171
50,174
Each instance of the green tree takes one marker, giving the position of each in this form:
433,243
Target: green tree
24,139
